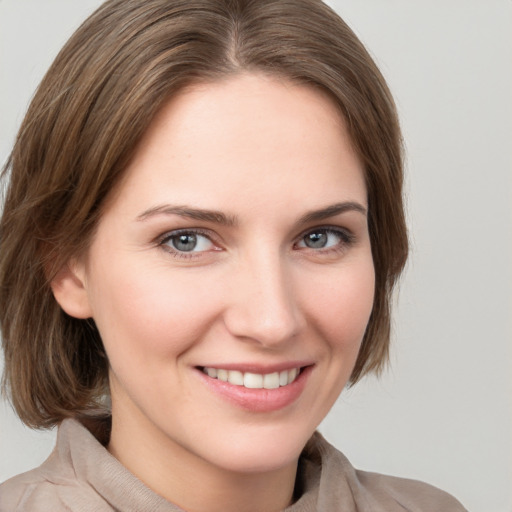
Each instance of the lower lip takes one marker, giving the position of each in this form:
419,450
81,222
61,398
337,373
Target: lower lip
258,400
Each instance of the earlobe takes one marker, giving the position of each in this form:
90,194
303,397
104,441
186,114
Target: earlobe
69,290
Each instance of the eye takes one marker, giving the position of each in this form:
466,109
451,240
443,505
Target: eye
325,238
187,242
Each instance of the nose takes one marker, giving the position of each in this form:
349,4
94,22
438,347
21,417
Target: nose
263,306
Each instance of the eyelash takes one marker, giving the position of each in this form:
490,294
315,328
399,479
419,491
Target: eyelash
167,237
347,239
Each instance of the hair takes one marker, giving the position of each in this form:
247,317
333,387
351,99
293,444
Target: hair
82,128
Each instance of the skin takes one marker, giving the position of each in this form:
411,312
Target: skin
264,153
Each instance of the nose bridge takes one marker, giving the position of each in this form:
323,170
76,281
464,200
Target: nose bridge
264,307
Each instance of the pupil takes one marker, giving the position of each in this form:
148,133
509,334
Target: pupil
185,242
316,240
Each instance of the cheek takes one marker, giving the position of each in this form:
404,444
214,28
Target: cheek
342,310
151,313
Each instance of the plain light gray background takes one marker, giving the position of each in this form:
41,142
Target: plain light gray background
443,413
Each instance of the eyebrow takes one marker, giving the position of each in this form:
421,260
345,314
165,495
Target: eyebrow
332,211
214,216
218,217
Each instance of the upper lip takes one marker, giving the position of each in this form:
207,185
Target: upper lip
259,368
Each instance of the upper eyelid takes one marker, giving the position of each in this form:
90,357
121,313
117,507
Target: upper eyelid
175,232
326,227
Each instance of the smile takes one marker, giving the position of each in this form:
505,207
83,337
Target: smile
253,380
256,389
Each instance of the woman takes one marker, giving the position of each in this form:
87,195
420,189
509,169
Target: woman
203,226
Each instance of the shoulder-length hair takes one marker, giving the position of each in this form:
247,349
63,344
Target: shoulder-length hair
83,125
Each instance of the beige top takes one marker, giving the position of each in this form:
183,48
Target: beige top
80,475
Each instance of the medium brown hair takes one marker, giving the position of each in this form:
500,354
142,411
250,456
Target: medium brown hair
83,125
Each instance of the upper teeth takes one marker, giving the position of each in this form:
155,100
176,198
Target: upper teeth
254,380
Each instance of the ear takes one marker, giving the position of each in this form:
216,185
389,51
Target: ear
69,290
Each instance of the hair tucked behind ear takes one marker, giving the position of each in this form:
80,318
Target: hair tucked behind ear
83,125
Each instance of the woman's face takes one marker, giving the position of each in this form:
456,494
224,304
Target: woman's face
237,248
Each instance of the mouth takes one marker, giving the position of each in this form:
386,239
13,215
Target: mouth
252,380
257,391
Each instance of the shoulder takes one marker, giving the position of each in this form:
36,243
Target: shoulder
37,491
56,485
373,491
80,475
16,491
411,495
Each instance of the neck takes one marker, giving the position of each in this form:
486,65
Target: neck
193,483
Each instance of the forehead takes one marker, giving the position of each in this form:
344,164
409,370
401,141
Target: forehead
250,136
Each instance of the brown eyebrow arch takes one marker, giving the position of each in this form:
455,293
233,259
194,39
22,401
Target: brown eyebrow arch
218,217
190,213
332,211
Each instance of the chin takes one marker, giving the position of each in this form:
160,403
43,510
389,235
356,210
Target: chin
252,452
